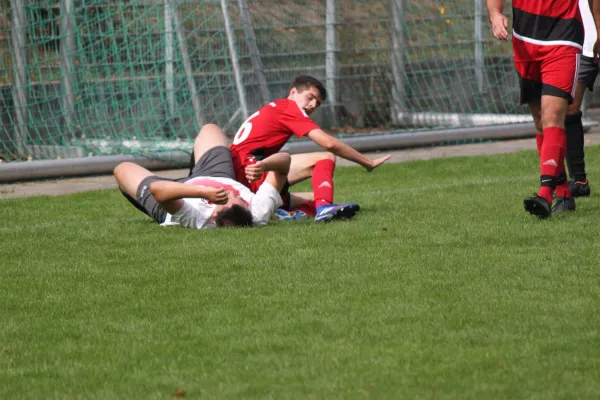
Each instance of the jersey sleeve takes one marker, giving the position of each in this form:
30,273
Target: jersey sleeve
264,203
296,120
195,215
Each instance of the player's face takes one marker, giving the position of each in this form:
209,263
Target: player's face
233,199
308,99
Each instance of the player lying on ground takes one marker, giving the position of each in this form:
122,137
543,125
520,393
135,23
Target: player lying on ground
210,196
266,131
547,41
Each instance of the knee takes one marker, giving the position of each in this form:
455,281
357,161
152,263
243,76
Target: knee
329,156
209,127
572,109
552,117
121,169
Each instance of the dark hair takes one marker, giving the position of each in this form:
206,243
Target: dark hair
304,82
236,215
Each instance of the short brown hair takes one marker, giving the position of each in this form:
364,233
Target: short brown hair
304,82
236,215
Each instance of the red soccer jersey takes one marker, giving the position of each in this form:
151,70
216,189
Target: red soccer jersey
547,23
266,131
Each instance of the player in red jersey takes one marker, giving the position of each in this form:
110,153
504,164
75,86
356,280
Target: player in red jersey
547,42
265,132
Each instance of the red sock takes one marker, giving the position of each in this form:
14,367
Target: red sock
322,182
553,146
539,140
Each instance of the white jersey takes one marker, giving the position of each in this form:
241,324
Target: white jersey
197,213
589,27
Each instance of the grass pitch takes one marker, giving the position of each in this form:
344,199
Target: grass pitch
442,288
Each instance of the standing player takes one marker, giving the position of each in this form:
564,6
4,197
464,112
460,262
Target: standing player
547,42
265,132
588,70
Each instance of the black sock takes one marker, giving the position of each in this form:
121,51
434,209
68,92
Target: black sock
575,155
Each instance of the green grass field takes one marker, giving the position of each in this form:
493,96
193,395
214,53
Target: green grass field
442,288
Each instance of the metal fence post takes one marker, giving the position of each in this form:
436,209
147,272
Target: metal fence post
20,89
254,51
187,66
234,58
478,39
169,72
67,55
397,59
331,58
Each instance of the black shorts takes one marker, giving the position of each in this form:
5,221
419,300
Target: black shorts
532,91
588,71
216,162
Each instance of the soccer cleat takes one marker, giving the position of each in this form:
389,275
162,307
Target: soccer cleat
580,189
299,215
283,215
564,204
537,206
330,212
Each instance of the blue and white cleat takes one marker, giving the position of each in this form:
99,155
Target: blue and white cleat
332,212
283,215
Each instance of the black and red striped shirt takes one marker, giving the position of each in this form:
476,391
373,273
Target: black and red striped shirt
548,22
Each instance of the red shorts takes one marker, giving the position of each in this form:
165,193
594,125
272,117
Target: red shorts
546,70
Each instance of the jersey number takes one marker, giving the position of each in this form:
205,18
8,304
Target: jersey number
244,131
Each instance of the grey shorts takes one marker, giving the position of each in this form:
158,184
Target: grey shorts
587,72
216,162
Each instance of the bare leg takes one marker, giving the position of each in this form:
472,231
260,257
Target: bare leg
536,113
299,198
210,136
302,165
129,176
577,99
554,111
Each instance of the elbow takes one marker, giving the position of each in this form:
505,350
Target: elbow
330,146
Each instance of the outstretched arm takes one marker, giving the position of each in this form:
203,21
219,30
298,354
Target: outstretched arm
498,20
341,149
169,194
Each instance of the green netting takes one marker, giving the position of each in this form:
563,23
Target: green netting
127,76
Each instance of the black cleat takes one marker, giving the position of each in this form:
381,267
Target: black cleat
537,206
564,204
331,212
580,189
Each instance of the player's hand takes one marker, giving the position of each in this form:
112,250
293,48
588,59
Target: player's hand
499,26
377,162
255,171
216,195
596,50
